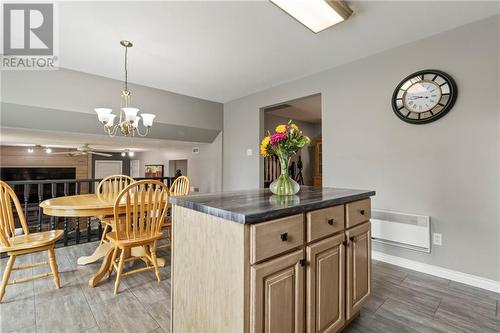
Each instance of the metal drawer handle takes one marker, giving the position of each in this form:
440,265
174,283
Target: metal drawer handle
362,212
302,262
331,221
351,239
284,236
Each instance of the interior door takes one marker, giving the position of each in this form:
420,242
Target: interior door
277,295
103,168
358,268
325,285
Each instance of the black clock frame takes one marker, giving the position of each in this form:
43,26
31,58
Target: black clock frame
444,111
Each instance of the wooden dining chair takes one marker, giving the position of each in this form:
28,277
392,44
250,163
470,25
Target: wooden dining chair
107,190
23,244
138,224
180,186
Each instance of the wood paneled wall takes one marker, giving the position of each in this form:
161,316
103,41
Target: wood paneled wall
13,156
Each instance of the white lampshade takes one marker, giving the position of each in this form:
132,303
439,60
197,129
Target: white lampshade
110,119
102,113
136,121
147,119
130,113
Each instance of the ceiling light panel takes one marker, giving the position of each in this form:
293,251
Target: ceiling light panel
317,15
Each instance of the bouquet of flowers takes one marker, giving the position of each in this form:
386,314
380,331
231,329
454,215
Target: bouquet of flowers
287,140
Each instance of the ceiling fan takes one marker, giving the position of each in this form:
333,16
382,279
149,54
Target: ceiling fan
83,150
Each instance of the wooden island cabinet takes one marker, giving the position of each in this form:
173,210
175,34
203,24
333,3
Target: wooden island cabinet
251,262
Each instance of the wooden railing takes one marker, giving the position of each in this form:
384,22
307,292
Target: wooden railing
32,192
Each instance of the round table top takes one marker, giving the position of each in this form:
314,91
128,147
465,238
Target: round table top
82,205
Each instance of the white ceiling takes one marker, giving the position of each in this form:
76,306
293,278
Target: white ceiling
306,109
222,50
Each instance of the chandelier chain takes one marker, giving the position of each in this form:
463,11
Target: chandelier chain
126,72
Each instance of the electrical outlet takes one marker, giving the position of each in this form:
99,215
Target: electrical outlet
437,239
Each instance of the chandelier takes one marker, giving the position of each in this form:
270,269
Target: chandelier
128,122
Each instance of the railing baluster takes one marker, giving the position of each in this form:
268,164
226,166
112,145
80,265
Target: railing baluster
53,192
65,189
37,219
77,226
40,198
89,235
26,192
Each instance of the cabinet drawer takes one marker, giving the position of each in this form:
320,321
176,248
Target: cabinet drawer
358,212
325,222
274,237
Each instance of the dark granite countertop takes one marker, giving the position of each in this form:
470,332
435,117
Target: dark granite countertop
254,206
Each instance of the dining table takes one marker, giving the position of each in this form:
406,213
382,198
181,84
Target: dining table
90,205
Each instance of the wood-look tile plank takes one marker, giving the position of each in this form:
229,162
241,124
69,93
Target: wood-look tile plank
17,314
70,313
425,302
123,314
372,322
160,311
474,291
444,292
468,315
412,318
31,329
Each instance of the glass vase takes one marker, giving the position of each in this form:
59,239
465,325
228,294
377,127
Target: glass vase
284,184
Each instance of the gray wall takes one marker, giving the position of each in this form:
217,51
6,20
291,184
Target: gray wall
203,169
449,169
69,90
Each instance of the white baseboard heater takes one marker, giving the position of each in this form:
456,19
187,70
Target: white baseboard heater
410,231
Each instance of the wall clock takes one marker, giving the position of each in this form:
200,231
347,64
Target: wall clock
424,96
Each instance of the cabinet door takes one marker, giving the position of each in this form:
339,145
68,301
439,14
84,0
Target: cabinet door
277,295
325,285
358,268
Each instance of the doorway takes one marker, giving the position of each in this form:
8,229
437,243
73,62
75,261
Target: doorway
177,166
306,166
105,168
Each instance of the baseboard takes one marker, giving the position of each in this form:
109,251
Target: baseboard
445,273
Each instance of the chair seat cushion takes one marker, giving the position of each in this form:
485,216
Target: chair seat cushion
32,241
111,236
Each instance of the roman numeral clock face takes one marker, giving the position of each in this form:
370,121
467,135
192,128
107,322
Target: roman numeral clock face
424,96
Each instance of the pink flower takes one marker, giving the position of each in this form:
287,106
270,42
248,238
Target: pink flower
278,137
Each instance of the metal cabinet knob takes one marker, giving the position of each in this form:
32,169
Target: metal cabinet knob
331,221
351,239
362,212
284,236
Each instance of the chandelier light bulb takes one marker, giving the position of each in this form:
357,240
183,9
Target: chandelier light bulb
135,124
131,154
48,150
123,154
30,150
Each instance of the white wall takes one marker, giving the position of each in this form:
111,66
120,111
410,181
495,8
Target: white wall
204,169
449,169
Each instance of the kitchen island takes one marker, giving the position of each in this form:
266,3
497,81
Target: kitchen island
249,261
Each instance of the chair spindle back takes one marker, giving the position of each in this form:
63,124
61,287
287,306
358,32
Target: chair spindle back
7,221
109,188
146,205
180,186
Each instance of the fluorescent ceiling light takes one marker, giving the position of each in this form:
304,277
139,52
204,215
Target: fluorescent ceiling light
317,15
